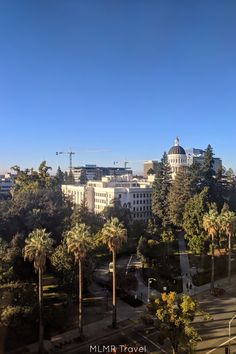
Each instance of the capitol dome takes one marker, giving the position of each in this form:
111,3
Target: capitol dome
176,157
176,149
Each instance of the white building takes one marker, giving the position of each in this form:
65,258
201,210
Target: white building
133,194
177,157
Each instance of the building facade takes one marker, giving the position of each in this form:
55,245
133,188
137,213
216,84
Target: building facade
197,155
177,157
150,165
6,183
132,194
94,172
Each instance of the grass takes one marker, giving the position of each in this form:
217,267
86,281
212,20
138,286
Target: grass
168,275
203,266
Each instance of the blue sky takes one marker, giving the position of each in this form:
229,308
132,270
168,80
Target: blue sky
120,78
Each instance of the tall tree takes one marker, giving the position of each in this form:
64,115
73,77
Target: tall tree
209,173
38,246
227,223
193,214
180,193
113,235
160,191
60,176
211,226
173,316
83,177
79,241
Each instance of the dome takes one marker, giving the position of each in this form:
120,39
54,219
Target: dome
176,149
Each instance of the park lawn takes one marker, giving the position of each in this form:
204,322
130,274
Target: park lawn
203,267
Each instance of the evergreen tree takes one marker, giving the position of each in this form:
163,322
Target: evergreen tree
161,189
71,179
83,177
193,214
195,173
208,173
60,176
180,193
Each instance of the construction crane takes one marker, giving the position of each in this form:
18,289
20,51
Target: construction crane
70,153
125,162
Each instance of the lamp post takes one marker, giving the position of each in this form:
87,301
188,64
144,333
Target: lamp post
230,321
149,282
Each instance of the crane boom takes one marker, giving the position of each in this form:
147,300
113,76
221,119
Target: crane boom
70,153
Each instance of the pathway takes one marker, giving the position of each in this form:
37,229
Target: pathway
188,286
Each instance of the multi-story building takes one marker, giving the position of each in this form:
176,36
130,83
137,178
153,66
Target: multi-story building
94,172
197,155
177,157
6,182
148,166
132,194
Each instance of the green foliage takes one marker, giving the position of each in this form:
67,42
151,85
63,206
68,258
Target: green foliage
11,315
29,179
173,318
194,211
116,210
30,209
180,193
160,192
79,241
147,249
60,177
82,215
83,177
113,234
63,263
38,246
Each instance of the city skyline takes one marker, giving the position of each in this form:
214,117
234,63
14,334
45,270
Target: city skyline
120,80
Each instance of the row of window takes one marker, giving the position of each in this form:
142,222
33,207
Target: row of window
101,201
148,201
141,208
142,195
177,161
102,195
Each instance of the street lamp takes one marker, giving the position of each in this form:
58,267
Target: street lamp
149,282
230,321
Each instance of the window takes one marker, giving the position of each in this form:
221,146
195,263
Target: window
119,195
133,195
133,208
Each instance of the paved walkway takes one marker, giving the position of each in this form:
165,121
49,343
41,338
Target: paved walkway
185,267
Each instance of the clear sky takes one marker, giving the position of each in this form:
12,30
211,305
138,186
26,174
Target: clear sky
118,78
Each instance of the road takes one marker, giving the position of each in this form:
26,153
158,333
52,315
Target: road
216,331
126,338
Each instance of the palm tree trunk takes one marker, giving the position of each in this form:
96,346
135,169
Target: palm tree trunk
114,324
229,259
41,349
212,264
80,300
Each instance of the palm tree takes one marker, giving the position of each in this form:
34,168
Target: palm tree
113,234
38,246
211,226
78,241
227,221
